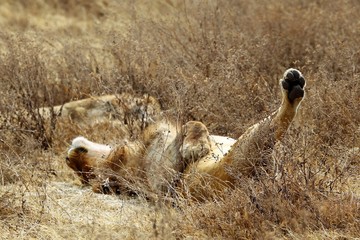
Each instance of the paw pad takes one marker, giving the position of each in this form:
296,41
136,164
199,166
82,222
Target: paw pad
294,83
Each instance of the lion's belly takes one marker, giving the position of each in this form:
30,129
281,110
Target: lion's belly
209,172
220,146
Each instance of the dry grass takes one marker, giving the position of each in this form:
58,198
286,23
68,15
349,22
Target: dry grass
214,61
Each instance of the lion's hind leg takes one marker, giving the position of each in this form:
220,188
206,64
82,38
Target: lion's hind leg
250,153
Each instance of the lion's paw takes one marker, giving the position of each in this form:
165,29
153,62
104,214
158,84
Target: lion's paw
195,151
108,186
196,142
293,83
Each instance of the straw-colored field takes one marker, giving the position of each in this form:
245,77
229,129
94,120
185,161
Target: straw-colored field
214,61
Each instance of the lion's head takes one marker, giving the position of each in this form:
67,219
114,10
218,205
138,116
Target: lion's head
84,156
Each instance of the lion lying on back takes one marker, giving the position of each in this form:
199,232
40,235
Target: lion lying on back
170,156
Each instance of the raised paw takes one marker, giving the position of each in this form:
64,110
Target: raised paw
196,142
293,83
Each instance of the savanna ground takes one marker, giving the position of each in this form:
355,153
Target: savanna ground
214,61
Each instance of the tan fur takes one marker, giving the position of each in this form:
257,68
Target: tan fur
168,154
247,153
123,109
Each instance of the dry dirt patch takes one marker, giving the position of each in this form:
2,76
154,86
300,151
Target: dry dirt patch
66,211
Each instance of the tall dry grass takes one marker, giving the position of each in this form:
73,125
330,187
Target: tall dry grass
216,61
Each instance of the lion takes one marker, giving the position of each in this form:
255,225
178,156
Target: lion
170,156
126,112
106,108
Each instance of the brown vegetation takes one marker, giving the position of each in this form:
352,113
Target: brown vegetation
218,62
